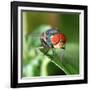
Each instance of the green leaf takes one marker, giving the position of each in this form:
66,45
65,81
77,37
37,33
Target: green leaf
55,56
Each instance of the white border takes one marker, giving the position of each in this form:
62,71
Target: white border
81,39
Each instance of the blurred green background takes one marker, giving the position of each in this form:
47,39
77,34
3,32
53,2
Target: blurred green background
34,61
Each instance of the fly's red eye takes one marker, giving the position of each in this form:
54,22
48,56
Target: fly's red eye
57,38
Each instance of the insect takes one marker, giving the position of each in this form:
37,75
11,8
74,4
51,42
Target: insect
52,38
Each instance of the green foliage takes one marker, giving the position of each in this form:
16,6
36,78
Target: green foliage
66,66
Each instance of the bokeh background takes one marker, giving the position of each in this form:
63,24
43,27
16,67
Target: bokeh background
36,63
